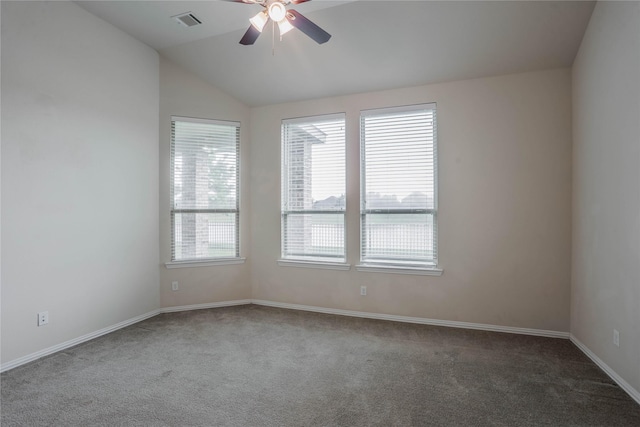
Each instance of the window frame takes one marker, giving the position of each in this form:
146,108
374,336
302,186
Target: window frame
387,264
211,260
323,261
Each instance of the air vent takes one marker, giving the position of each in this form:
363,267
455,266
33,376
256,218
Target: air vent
187,19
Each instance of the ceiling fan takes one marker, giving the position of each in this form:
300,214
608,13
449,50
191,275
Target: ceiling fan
276,11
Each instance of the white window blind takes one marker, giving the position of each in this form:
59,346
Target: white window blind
398,186
313,188
204,189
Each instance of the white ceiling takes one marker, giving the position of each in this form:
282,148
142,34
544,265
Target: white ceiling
375,45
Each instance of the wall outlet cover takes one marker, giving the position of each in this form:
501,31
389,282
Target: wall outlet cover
43,318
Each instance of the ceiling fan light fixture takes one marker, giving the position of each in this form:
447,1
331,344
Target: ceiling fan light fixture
284,26
277,11
259,21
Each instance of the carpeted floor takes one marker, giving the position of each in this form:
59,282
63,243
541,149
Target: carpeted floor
259,366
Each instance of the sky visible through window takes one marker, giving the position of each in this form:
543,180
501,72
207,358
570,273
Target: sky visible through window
400,153
406,172
328,167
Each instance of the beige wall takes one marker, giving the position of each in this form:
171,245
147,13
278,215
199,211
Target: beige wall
606,197
184,94
504,199
79,175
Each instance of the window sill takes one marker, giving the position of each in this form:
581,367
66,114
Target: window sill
418,271
204,263
314,264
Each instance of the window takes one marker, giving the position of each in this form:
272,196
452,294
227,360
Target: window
204,189
313,188
398,213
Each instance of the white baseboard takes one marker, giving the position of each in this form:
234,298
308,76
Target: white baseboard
203,306
635,395
62,346
59,347
419,320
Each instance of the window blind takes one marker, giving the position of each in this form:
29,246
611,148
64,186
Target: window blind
204,189
398,186
313,188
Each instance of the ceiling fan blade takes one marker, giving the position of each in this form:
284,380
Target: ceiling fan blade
299,1
250,36
309,28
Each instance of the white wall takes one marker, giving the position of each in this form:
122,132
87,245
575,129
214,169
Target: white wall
79,175
606,188
504,206
184,94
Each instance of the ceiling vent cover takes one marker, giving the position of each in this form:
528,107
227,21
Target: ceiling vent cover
187,19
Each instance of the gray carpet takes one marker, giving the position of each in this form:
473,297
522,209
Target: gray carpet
259,366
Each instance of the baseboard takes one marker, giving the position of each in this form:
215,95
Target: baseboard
203,306
419,320
635,395
59,347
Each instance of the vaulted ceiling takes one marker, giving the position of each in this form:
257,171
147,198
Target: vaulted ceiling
375,45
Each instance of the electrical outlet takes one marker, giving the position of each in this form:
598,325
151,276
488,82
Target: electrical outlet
616,338
363,290
174,286
43,318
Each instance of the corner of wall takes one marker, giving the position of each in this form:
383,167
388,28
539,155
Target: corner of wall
182,93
